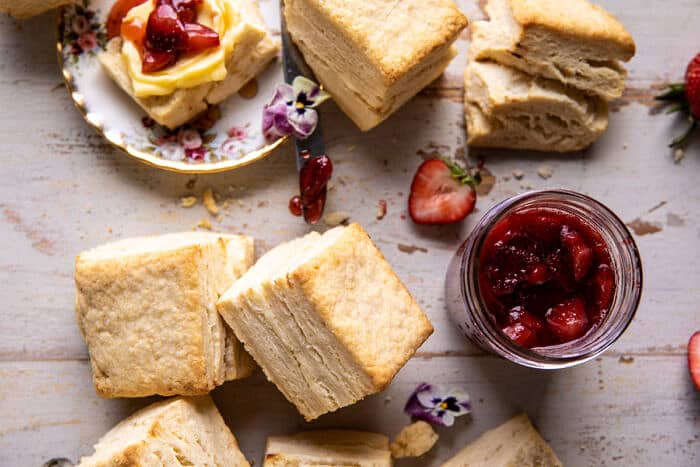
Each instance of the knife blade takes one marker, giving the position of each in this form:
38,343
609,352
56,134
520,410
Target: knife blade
293,65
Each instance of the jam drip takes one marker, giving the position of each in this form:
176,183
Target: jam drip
313,181
545,276
170,33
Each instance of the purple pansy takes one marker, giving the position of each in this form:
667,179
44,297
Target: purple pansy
437,405
292,110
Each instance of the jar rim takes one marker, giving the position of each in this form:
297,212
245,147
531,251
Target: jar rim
628,266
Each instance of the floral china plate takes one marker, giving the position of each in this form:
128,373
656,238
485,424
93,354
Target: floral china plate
226,137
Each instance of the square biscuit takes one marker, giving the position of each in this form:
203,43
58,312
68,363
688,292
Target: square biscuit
326,318
329,448
146,309
575,42
506,108
174,432
373,56
27,8
514,443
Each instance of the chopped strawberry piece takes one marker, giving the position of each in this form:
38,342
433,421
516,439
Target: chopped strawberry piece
116,15
519,315
439,196
694,359
537,274
153,60
521,335
200,38
568,321
186,9
164,31
602,287
580,255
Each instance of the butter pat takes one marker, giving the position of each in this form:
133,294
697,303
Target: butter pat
515,443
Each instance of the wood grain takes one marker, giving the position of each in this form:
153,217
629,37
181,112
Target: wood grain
65,190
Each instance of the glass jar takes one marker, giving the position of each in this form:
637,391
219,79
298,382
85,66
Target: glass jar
469,312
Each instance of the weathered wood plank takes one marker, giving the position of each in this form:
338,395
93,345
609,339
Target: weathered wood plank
592,415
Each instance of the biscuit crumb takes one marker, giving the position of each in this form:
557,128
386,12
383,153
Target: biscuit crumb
330,186
678,155
188,201
518,174
204,224
381,209
210,202
388,399
414,440
545,172
336,218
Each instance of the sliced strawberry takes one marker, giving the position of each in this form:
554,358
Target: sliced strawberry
694,359
568,321
579,253
521,335
692,86
441,193
685,97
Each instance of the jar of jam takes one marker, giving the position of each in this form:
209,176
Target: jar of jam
547,279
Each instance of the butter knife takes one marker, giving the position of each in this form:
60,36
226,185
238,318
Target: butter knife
313,147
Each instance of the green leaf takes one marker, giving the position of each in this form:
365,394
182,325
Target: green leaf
673,93
461,175
677,107
683,138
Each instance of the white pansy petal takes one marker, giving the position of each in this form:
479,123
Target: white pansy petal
426,398
448,418
283,94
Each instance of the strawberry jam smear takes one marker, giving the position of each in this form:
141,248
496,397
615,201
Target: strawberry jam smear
170,33
545,276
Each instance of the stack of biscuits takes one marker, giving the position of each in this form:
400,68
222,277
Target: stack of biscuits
541,73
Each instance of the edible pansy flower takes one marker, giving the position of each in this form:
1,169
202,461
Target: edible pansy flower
437,405
292,110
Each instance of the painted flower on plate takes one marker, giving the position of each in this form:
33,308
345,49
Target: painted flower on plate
80,24
172,151
437,405
88,41
82,31
189,139
292,110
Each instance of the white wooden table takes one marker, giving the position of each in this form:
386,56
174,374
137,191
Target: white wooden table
63,190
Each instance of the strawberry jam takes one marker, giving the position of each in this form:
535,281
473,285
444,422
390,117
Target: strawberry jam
545,276
170,32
